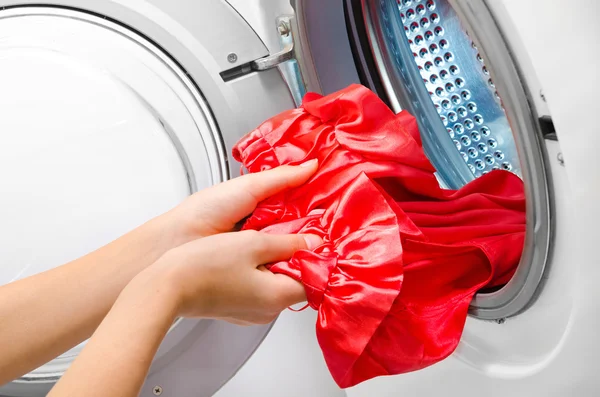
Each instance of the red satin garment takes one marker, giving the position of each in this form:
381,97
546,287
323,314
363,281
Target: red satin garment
401,258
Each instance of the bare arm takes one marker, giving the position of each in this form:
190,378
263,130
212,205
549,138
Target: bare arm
219,277
44,315
123,346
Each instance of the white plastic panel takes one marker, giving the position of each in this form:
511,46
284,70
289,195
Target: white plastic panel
262,16
99,132
289,363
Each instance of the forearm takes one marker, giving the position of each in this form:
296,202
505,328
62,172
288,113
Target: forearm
44,315
123,346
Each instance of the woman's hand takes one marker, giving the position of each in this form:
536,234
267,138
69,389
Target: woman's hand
219,277
68,302
222,276
219,208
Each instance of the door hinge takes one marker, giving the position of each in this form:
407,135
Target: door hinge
270,61
274,60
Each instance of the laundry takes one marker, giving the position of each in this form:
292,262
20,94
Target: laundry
401,257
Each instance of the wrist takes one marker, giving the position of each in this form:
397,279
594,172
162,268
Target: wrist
155,284
188,285
169,231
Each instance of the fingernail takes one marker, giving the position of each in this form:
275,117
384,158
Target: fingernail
308,163
312,241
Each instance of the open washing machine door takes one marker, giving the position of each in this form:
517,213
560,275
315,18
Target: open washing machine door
112,112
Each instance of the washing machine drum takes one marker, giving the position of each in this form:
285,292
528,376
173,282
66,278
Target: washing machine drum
100,131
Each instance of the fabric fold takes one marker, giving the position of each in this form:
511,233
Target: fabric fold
401,257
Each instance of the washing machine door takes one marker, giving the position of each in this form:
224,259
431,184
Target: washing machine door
111,113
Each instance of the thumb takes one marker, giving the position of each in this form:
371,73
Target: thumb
270,248
288,290
238,197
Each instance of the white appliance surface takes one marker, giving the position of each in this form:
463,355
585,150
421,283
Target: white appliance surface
550,350
288,363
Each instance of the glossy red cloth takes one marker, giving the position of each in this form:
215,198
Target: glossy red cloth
401,257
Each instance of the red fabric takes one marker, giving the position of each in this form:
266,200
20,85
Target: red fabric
401,257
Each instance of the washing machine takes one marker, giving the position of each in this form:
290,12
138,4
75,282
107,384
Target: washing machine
113,111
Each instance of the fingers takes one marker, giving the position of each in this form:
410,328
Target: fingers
267,248
238,197
280,291
265,184
276,292
288,290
